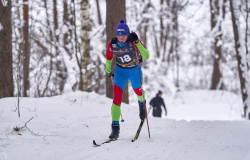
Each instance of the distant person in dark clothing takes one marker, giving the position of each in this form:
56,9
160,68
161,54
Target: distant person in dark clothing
156,103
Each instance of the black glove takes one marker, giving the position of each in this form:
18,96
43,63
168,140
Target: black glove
110,74
134,37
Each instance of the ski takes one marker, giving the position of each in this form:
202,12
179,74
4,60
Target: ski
140,127
99,144
110,140
138,131
136,135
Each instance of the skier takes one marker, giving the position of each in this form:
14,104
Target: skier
156,103
126,69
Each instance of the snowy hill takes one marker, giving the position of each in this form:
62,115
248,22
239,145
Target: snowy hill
63,127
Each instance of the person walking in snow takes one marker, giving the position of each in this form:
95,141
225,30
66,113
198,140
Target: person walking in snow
156,103
126,69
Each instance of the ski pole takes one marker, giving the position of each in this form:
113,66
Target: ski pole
122,120
112,79
142,89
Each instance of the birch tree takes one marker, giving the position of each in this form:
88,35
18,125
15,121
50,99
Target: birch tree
85,46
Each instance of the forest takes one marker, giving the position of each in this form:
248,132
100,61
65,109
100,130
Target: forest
48,48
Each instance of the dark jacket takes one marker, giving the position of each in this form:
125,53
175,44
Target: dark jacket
157,102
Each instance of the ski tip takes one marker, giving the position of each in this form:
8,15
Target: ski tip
132,140
94,143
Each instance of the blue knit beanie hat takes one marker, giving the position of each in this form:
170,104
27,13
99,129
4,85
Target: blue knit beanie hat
122,28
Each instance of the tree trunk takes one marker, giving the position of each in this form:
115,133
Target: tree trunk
171,29
161,22
98,12
61,76
144,25
26,48
50,48
98,88
18,72
6,71
85,29
55,23
67,36
115,11
65,22
165,31
76,46
241,56
247,31
175,40
216,10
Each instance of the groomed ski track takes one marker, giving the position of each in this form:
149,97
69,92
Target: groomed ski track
66,125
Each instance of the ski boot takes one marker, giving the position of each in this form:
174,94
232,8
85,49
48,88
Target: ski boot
142,110
115,131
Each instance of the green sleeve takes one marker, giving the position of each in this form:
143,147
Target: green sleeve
144,52
108,65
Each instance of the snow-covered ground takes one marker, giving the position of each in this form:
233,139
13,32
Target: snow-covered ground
63,127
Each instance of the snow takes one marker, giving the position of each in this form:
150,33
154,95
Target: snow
205,105
64,127
201,124
4,2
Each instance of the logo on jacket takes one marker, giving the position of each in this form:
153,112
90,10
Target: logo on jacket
114,45
130,44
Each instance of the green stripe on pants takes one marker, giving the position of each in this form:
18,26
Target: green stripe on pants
140,98
115,112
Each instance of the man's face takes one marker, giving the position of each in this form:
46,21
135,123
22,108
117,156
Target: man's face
159,95
122,39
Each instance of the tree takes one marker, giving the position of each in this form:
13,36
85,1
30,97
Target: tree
85,46
115,10
61,69
98,12
26,48
6,71
217,15
49,52
67,36
241,57
247,9
174,48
